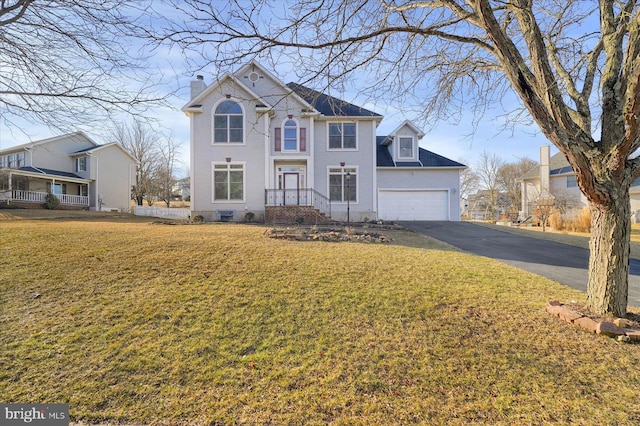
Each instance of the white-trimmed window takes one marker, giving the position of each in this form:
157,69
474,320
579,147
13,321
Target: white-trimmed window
571,181
290,136
228,123
57,188
81,164
343,184
228,181
405,147
3,161
342,136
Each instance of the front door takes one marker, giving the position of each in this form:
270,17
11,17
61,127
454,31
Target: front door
291,186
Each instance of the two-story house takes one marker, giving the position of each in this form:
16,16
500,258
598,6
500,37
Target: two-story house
555,177
77,170
284,151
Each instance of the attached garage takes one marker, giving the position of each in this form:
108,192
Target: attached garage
414,204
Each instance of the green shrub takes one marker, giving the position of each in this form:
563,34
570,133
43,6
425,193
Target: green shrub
51,201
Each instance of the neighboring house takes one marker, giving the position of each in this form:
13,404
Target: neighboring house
181,190
81,173
289,152
556,177
480,207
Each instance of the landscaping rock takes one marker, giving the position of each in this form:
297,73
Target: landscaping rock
621,322
609,329
568,315
587,323
554,308
623,338
633,334
303,234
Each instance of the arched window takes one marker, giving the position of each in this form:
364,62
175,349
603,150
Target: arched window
227,123
290,136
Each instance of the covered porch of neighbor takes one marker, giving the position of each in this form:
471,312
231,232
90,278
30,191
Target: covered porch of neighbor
28,187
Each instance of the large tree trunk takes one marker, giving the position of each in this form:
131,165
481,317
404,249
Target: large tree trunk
607,289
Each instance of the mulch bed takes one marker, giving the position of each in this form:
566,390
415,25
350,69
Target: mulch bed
332,235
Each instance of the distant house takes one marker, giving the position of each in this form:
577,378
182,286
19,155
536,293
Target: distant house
181,189
80,172
479,206
286,151
555,177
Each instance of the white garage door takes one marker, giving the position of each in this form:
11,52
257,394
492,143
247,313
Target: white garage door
413,205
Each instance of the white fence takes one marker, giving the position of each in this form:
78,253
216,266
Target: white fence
162,212
39,197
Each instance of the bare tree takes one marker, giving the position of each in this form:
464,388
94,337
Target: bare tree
469,182
575,66
142,142
547,204
509,180
70,63
168,150
488,169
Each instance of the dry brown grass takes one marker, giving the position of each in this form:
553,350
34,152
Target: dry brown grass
217,324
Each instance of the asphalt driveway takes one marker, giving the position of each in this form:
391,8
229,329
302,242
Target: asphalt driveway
563,263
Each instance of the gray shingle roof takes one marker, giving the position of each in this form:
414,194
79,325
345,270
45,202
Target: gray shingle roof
558,164
41,170
427,158
328,105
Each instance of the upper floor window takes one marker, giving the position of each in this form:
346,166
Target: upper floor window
342,136
81,164
405,146
227,123
290,136
571,181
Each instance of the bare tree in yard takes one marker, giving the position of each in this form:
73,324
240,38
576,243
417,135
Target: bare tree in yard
574,65
509,180
168,150
142,142
488,169
66,63
545,207
469,182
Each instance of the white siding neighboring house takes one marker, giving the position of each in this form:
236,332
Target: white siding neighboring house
556,177
283,152
80,172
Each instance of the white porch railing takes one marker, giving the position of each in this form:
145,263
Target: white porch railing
162,212
38,197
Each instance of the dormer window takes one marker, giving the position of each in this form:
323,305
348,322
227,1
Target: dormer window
81,164
405,148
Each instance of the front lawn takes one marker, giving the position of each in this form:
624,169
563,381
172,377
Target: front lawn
217,324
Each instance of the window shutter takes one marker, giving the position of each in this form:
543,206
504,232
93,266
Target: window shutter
303,139
278,139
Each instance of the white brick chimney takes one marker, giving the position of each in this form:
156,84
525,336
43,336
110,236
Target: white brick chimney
197,86
544,170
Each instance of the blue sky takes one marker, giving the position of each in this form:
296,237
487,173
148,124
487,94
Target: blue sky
456,141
